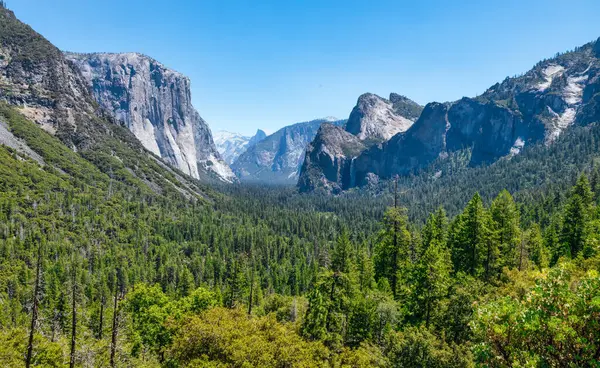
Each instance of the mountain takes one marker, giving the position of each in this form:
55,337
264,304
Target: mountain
154,102
328,155
329,163
44,97
277,158
534,108
232,145
376,119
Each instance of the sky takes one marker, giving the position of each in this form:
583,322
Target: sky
270,63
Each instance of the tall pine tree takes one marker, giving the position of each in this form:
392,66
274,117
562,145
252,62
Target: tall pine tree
576,215
506,234
470,237
393,248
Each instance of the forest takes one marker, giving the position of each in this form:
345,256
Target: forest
96,270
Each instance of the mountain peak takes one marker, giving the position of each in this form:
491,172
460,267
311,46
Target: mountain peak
597,48
376,119
260,134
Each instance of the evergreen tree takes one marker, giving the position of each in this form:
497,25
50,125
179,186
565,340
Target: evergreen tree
435,231
332,296
552,240
34,309
236,283
576,216
341,261
73,315
315,321
538,253
393,248
470,237
365,271
507,233
431,276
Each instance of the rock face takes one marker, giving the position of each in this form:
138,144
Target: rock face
534,108
232,145
278,157
329,162
375,119
329,159
155,104
35,76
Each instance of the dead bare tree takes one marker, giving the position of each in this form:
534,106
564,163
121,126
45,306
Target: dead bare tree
115,322
34,310
74,318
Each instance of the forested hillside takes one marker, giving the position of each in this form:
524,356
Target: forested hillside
233,279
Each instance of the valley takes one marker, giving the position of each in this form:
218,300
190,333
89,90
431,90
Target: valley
449,234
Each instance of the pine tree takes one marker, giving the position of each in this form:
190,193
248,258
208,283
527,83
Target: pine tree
235,283
34,309
470,238
576,215
435,231
332,296
341,261
583,189
431,276
252,282
119,287
73,316
538,253
365,270
595,183
315,320
392,248
505,226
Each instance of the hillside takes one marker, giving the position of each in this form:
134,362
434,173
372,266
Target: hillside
49,90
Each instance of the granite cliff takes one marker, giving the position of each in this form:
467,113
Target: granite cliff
154,102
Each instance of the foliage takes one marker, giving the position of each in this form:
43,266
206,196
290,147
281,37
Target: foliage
253,276
557,323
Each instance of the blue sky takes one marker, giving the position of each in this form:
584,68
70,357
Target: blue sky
266,64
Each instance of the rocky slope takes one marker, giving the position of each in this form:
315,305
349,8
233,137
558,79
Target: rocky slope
232,145
375,119
329,160
278,157
35,76
154,102
38,84
531,109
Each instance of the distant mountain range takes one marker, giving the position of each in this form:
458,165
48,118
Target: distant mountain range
232,145
277,158
384,138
